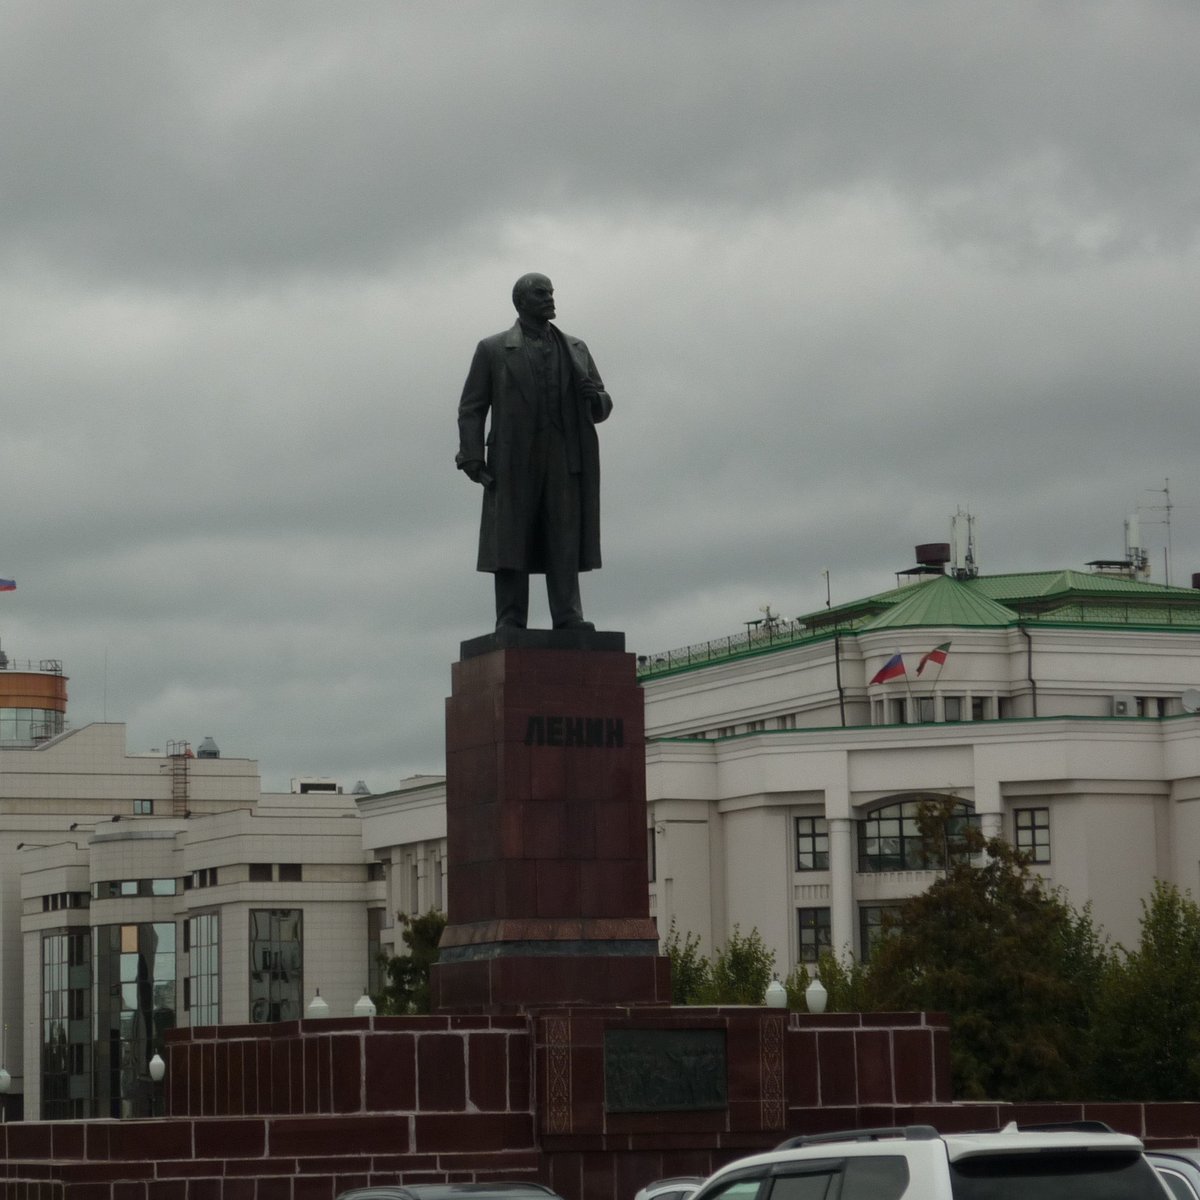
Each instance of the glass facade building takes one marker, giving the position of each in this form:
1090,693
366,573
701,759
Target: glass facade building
66,1024
135,1005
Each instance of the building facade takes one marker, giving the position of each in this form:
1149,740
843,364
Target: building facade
140,892
1057,709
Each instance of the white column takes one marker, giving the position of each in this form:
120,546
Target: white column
841,884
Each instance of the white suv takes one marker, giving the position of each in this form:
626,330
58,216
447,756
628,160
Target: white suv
1082,1162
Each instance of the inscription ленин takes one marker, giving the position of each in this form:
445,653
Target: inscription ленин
608,732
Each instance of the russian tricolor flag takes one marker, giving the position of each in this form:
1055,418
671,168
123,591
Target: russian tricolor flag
8,585
892,669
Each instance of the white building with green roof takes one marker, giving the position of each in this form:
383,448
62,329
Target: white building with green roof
783,773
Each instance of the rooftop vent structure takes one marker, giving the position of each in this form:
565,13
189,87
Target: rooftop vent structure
309,784
932,558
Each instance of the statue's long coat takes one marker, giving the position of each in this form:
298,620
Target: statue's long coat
500,381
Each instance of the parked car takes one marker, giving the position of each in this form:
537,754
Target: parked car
918,1163
677,1187
1180,1169
493,1190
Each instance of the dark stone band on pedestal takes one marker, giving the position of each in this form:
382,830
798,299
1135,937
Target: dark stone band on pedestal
547,949
511,638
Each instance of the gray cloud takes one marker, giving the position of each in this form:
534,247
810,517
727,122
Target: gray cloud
844,269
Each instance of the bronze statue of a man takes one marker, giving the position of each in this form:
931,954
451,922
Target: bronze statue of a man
540,465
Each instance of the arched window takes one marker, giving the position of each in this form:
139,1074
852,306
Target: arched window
890,839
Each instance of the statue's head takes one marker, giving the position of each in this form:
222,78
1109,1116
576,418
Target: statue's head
533,297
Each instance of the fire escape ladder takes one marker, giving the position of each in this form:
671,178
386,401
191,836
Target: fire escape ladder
179,753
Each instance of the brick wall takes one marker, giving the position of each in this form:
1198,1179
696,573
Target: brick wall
303,1110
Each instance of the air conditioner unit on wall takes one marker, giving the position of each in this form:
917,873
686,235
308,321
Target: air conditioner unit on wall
1124,705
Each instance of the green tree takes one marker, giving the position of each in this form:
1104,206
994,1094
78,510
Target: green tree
406,986
1011,963
741,970
1148,1023
737,974
691,972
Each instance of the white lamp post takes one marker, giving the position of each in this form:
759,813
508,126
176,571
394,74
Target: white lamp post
317,1007
364,1006
776,995
815,996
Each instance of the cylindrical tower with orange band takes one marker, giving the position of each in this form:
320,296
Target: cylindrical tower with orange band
33,701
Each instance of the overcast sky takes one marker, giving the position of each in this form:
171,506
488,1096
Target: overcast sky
845,268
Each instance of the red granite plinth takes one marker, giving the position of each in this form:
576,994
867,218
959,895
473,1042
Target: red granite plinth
546,833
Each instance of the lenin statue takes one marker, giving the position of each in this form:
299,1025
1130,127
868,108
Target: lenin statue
540,462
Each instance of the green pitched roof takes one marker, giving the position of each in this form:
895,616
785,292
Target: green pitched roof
1030,584
942,601
1058,598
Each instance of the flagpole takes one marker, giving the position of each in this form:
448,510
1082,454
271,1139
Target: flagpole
912,704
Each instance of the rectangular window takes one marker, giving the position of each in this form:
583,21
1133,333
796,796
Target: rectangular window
891,839
899,712
276,964
816,932
979,708
875,922
135,1003
1032,827
812,844
66,1025
925,709
143,808
435,867
203,946
260,872
290,872
374,950
952,707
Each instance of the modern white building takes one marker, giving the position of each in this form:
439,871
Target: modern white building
144,891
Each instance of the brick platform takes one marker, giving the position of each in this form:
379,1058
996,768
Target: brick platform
303,1110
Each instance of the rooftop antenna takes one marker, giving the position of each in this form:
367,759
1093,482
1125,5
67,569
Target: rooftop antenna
1135,553
1164,508
963,563
770,619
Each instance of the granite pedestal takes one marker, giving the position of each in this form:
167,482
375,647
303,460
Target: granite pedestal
546,828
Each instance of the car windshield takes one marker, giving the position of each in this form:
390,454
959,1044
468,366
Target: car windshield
1056,1175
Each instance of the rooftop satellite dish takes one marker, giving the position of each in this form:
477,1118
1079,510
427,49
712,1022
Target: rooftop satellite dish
1191,700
